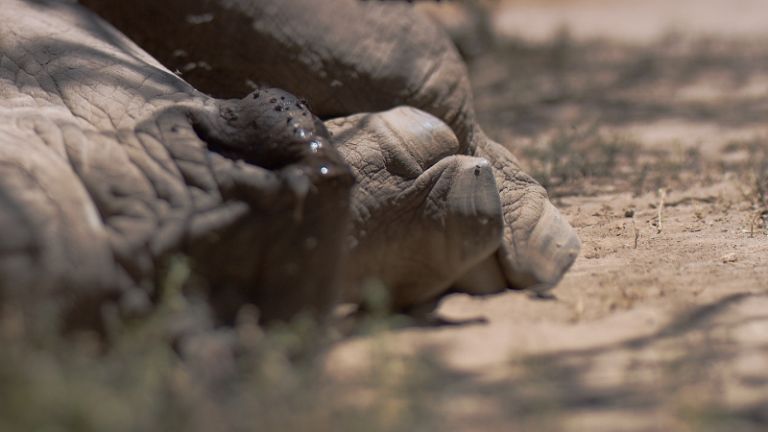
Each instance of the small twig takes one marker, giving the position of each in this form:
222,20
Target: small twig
662,197
688,200
636,231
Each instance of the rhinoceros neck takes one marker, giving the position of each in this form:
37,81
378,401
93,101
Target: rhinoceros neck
75,73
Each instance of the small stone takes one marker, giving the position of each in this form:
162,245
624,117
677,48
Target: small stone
629,213
729,258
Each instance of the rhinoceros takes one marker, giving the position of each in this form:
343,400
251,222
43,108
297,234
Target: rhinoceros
111,163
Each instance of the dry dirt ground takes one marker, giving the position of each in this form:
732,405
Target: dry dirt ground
648,123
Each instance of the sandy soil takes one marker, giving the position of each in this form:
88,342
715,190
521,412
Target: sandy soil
653,143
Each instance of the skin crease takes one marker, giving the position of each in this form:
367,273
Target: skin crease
436,213
347,57
170,169
111,164
157,167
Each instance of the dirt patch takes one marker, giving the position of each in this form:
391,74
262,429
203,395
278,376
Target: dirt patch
654,145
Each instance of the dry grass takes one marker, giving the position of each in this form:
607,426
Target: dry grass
580,153
750,159
241,379
585,160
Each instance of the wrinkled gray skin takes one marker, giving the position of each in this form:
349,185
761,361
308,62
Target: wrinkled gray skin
109,164
125,164
348,57
424,217
467,23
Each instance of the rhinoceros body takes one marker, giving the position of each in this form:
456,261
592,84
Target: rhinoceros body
111,163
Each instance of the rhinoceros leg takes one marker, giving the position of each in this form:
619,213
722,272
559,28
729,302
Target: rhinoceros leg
115,164
422,215
350,56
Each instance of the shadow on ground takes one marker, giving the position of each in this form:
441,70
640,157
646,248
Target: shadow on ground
705,370
530,88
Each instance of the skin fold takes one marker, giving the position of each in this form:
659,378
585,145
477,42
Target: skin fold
348,57
124,164
111,164
422,214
